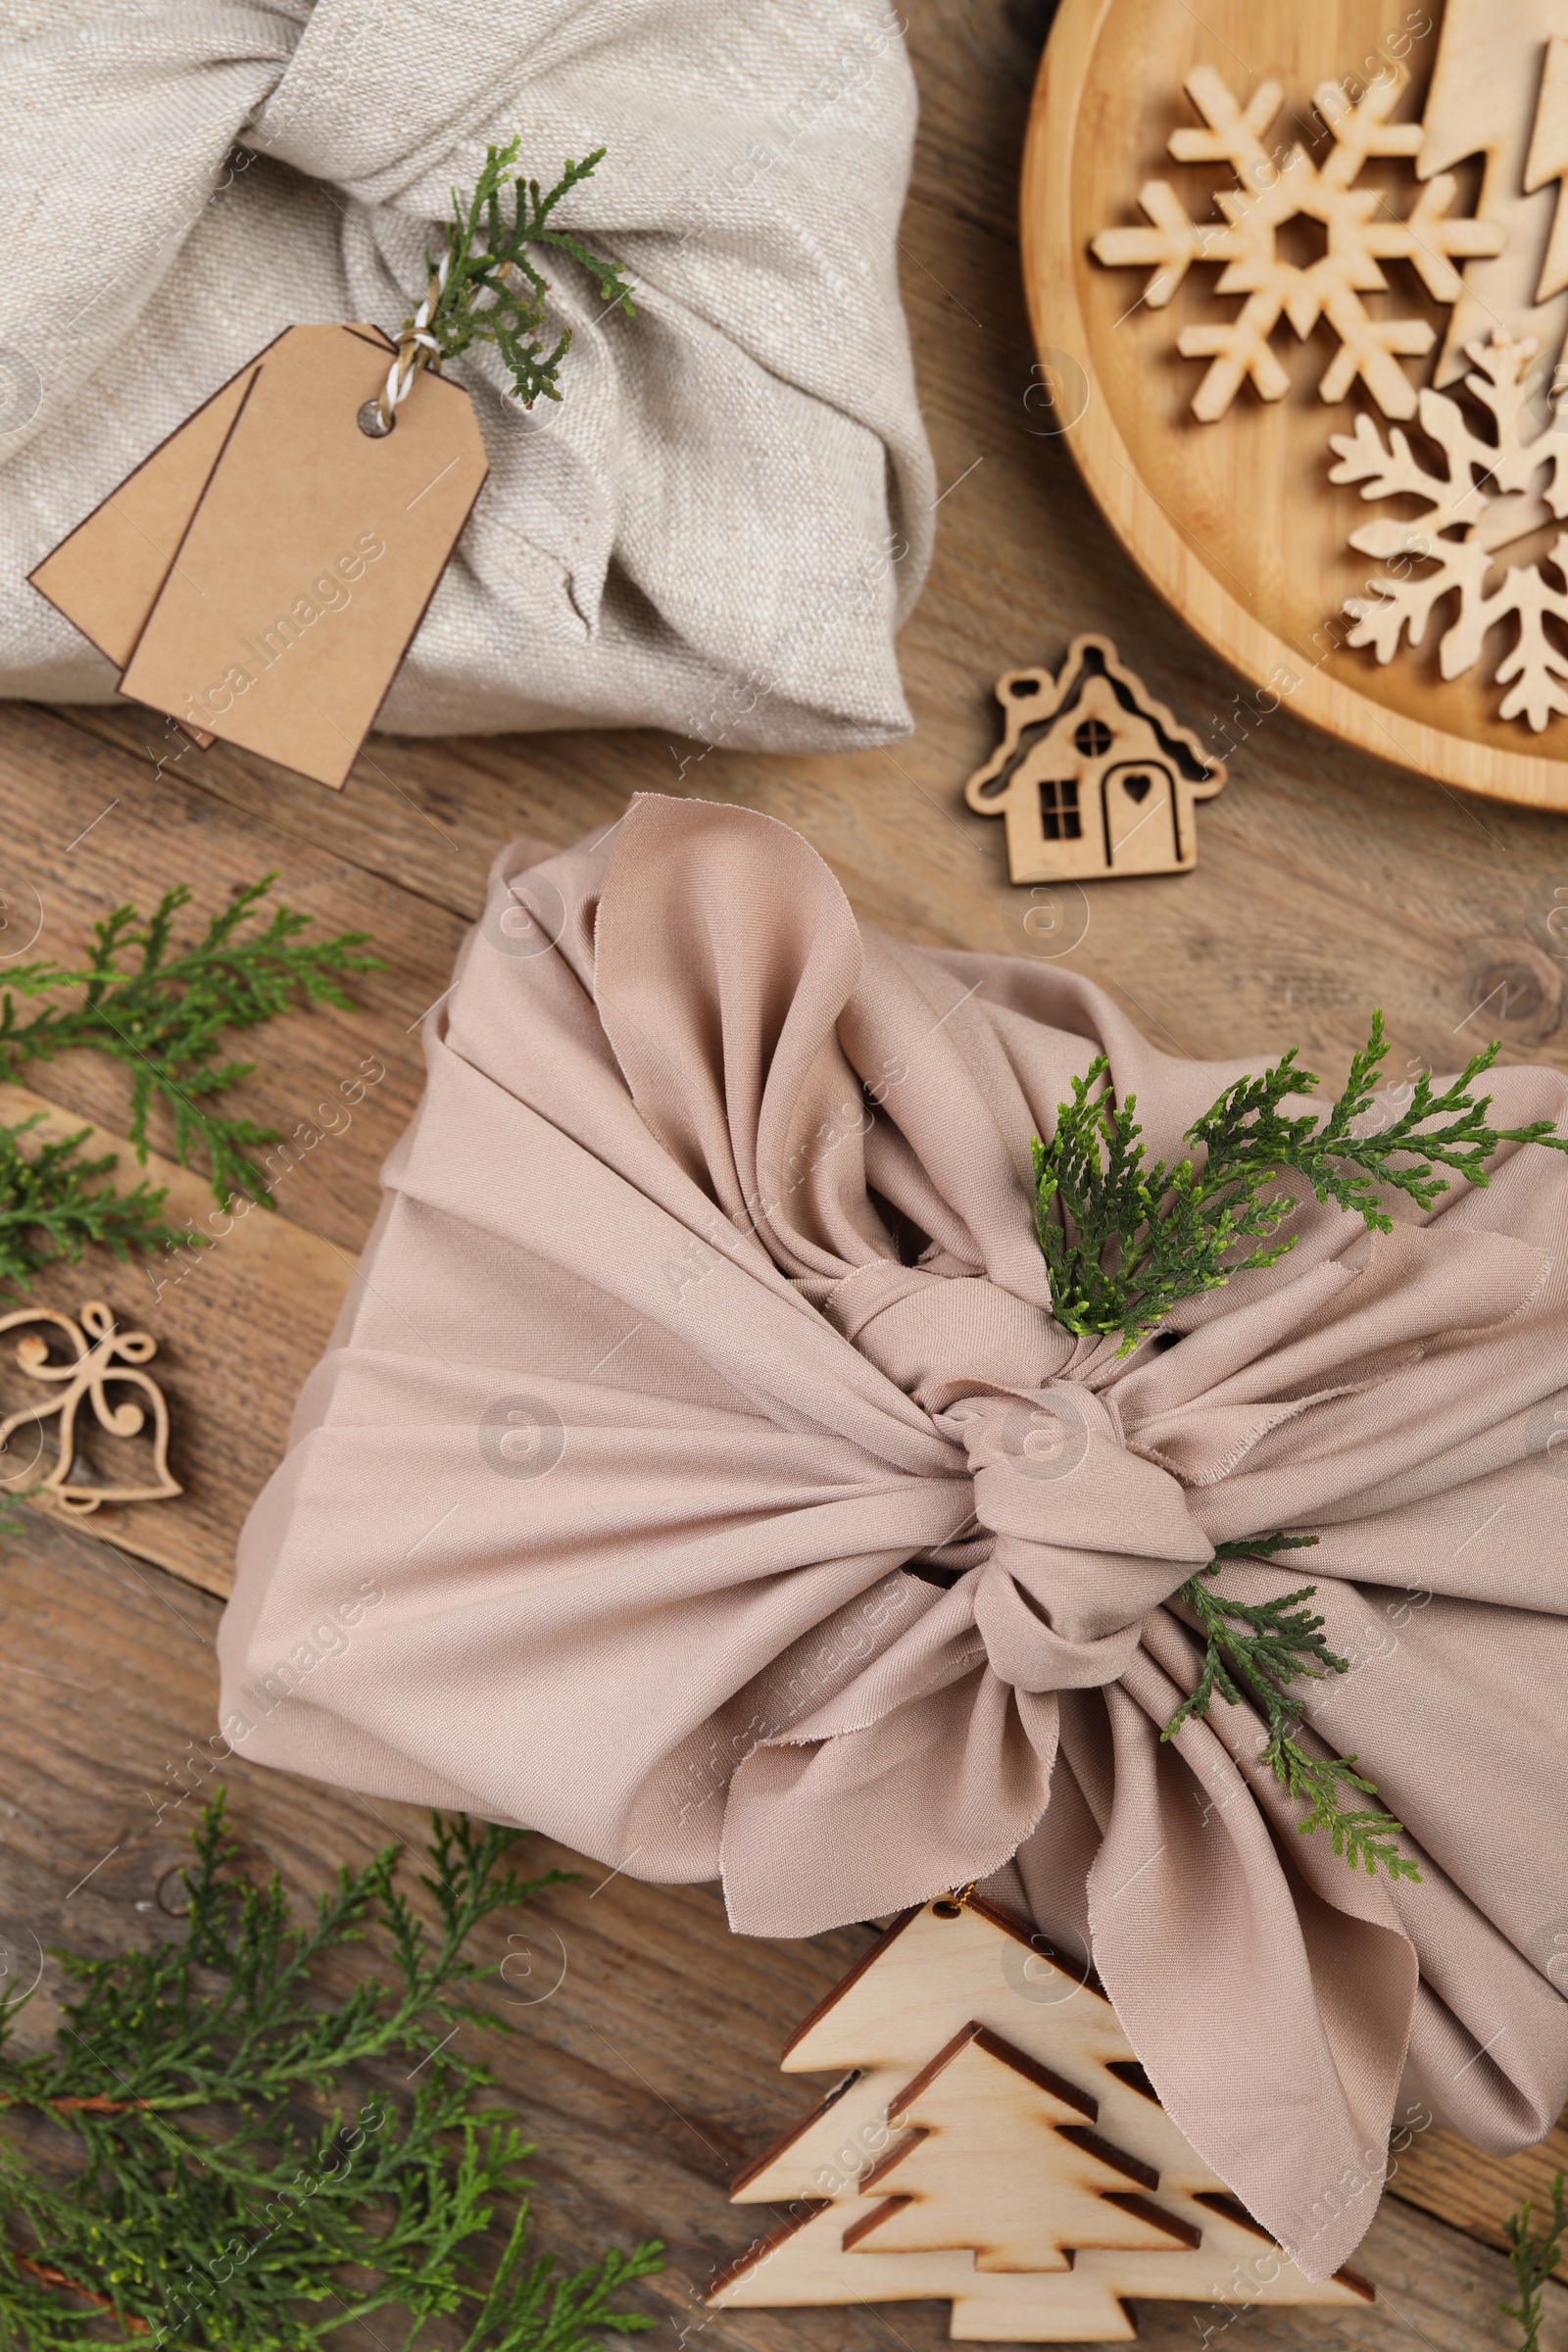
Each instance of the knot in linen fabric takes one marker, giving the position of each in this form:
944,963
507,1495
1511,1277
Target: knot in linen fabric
722,523
739,1194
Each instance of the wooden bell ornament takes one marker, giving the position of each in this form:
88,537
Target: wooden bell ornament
102,1368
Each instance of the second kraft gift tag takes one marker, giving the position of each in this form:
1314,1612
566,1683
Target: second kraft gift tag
311,556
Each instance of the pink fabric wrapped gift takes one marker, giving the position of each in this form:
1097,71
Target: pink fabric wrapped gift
697,1475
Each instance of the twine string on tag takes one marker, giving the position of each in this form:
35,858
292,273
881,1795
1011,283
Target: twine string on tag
416,348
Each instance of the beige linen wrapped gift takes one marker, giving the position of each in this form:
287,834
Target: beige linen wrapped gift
719,530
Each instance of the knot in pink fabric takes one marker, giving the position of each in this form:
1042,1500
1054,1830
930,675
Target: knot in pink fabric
1071,1539
1086,1538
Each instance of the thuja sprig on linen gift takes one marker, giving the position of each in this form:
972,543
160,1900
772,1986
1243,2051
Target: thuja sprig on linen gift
159,1010
230,2184
486,287
1127,1239
350,467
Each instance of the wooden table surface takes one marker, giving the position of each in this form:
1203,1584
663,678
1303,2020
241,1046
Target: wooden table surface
1327,884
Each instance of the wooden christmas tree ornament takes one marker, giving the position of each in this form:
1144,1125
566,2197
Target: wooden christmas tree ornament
998,2146
1094,776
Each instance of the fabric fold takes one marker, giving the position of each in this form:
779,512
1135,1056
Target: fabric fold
736,1507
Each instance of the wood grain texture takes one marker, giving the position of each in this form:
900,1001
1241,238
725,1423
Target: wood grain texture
1328,882
646,2091
1445,2175
1237,522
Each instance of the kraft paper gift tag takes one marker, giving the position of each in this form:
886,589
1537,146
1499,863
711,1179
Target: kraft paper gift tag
104,576
311,556
269,524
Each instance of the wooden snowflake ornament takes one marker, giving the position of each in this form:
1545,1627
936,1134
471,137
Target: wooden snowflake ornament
1171,206
1482,495
1275,186
1499,90
998,2146
1094,776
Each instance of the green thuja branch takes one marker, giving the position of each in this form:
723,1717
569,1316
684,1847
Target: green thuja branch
53,1203
1256,1649
225,2182
1532,2258
493,291
160,1010
1126,1239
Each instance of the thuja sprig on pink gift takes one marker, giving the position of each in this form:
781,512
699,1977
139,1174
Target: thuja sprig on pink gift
1254,1649
1127,1239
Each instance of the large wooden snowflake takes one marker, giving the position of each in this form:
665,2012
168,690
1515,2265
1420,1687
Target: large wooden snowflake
1488,494
1359,235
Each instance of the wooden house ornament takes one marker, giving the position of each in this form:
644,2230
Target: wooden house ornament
996,2146
1093,777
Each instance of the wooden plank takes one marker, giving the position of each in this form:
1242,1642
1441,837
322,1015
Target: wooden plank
648,2078
1472,2190
239,1324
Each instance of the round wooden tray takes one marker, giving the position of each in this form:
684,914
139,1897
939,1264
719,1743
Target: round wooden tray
1236,522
